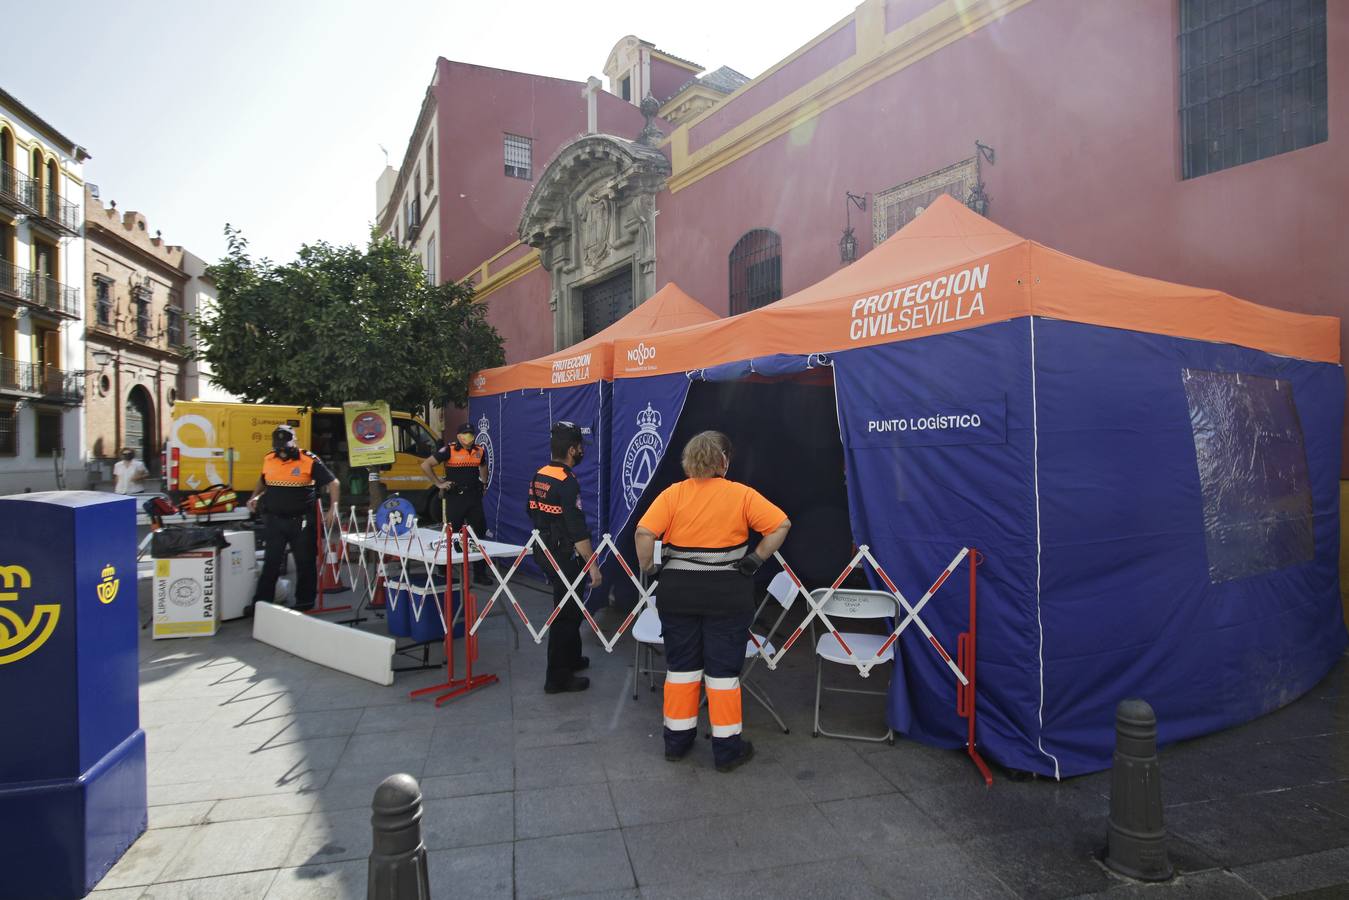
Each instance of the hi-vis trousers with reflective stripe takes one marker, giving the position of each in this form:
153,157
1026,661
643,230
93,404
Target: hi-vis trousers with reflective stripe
702,650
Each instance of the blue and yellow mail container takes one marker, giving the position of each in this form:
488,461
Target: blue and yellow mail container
72,757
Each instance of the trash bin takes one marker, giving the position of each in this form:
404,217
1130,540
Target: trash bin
187,582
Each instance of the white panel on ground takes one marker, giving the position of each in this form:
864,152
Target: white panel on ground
350,650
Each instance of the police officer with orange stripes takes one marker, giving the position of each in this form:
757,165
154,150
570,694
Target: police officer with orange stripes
286,492
555,510
706,592
462,486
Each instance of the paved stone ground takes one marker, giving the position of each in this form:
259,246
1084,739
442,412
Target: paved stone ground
262,768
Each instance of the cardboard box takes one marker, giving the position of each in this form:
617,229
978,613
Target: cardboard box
184,599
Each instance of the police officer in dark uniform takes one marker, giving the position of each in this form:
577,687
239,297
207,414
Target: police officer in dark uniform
555,511
286,493
462,486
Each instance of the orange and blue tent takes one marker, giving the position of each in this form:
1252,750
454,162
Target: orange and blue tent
1150,470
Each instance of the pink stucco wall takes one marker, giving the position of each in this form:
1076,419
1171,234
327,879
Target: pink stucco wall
666,79
520,314
1080,102
819,59
476,106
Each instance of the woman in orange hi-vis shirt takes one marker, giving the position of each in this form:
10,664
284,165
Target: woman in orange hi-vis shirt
706,593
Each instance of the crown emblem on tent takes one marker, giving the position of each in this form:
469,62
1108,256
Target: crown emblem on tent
484,425
648,419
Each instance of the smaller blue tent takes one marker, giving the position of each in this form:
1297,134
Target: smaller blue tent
515,406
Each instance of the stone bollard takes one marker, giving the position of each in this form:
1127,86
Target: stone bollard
397,855
1136,841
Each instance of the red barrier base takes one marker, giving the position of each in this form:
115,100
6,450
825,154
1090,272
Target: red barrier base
320,608
457,687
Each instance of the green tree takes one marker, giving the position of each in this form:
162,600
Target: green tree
341,323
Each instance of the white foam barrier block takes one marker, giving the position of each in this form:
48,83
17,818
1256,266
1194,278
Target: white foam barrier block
350,650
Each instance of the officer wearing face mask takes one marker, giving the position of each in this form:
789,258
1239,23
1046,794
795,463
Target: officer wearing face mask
462,487
286,492
555,510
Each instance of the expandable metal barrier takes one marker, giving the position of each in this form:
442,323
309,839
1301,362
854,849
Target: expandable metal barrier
962,668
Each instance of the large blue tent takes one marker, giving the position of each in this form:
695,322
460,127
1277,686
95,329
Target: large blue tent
1150,471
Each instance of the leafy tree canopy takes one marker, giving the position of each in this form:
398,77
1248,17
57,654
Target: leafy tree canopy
342,323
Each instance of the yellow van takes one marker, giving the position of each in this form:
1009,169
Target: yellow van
224,443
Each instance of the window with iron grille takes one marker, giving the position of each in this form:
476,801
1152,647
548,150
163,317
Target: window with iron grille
756,270
519,157
1252,80
430,266
174,322
142,298
430,162
103,300
9,431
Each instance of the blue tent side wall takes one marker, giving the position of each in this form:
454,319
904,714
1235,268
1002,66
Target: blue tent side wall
518,427
1190,532
920,487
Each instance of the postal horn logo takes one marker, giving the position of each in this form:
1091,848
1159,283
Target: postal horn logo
642,456
107,587
19,638
484,440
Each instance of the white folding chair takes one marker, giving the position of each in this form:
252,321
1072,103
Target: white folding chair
784,592
646,635
852,604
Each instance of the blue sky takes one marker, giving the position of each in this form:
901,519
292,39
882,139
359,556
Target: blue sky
269,115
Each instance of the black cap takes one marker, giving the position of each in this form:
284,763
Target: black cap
465,429
567,429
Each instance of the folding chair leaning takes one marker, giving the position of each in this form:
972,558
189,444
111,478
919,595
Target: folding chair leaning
861,605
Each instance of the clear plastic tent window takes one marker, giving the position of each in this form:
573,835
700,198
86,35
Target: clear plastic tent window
1252,461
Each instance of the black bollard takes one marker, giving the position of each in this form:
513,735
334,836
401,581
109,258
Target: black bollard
1136,842
397,855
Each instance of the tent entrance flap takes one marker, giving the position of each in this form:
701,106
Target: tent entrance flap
784,432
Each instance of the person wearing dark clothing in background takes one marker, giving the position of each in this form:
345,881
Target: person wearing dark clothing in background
462,487
286,494
555,511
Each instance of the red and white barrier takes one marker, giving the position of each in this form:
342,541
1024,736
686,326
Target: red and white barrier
415,545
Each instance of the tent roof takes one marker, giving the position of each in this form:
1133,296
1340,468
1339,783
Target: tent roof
951,269
592,359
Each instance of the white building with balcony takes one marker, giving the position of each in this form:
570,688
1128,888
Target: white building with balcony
42,339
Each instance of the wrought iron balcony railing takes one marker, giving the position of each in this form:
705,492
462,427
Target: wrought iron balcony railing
52,295
45,382
59,211
17,189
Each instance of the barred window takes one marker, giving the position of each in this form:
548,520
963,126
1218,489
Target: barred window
9,431
103,290
1252,80
755,270
519,154
174,317
142,298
